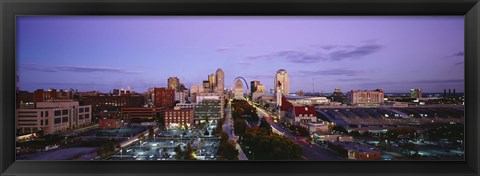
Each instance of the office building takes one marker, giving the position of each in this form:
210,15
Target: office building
415,93
282,81
164,98
173,83
41,95
220,80
238,92
53,117
366,98
212,81
254,86
180,118
142,113
181,96
105,102
208,110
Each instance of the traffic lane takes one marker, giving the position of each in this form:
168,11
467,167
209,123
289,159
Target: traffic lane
314,152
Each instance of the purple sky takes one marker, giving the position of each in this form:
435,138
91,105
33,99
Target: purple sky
102,53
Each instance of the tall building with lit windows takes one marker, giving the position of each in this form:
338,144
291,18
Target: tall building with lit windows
254,86
282,81
220,80
211,81
164,98
173,83
416,93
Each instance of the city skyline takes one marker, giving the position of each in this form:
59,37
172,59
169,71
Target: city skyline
319,53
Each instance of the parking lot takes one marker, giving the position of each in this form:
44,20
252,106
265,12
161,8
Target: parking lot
161,147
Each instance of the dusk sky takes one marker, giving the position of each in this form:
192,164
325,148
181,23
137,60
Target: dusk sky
103,53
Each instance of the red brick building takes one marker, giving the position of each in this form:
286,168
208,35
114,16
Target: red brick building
110,124
41,95
113,103
366,97
164,98
142,113
179,118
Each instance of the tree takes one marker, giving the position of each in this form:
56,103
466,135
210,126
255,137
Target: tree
272,147
179,152
189,153
106,149
230,151
340,129
40,133
240,127
264,125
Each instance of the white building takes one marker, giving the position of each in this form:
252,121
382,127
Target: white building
54,117
308,100
282,81
238,90
180,96
179,106
257,95
302,115
194,91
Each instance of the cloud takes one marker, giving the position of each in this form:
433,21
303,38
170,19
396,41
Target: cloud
81,69
244,63
65,84
262,76
412,83
460,53
443,81
352,79
336,72
318,53
355,52
329,47
224,49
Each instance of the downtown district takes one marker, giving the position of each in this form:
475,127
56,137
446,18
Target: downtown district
246,122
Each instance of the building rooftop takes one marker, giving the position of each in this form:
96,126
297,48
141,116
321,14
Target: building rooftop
305,110
355,146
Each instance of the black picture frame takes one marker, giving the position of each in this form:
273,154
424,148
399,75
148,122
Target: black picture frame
11,8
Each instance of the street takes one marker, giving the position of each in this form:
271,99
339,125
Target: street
310,151
227,128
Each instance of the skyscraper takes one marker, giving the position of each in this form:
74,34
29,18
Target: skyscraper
220,82
281,80
254,86
211,80
173,83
